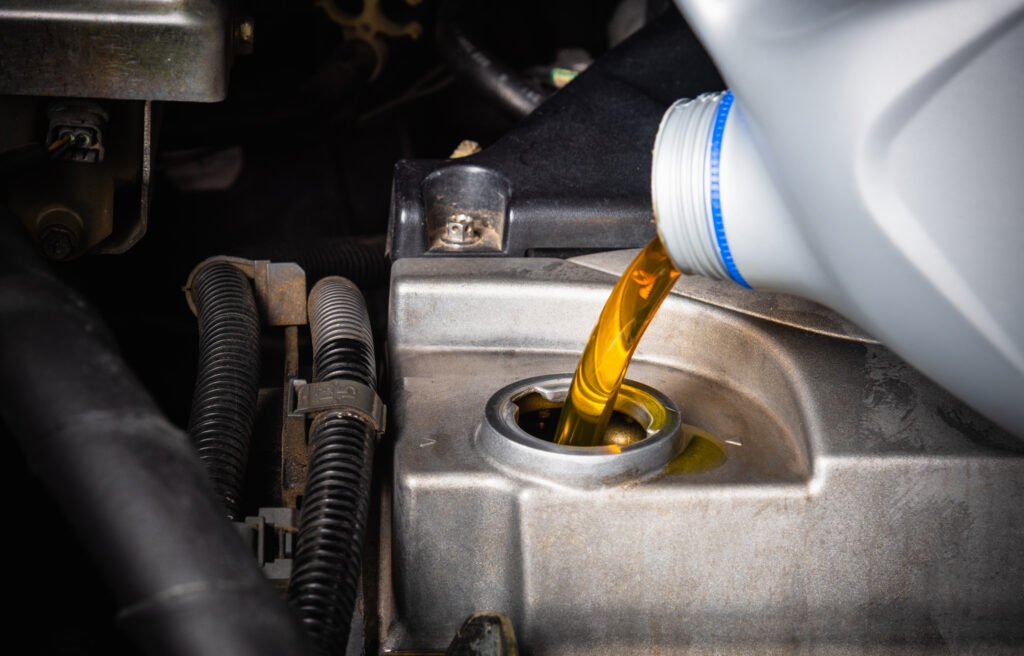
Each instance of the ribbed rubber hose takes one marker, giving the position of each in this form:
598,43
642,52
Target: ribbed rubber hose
227,383
328,557
361,260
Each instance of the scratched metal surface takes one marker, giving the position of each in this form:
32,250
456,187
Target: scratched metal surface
128,49
861,509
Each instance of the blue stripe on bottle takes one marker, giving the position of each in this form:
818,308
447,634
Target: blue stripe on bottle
716,199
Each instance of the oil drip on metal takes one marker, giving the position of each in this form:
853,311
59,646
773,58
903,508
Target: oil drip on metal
702,454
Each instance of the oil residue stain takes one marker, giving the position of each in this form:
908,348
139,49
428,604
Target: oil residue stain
632,304
702,454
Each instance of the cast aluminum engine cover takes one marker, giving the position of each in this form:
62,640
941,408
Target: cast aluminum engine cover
861,509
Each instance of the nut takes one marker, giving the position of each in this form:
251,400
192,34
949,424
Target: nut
58,242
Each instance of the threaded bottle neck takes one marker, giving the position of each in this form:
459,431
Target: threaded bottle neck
684,185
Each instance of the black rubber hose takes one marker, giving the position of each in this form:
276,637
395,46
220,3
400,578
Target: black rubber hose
128,481
227,380
328,557
470,61
361,260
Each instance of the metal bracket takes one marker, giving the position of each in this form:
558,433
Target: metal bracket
280,288
345,397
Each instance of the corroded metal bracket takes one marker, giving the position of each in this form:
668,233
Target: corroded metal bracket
280,288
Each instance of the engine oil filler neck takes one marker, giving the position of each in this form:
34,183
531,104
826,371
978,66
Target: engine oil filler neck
646,433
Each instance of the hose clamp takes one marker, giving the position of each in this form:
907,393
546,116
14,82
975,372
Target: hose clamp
348,398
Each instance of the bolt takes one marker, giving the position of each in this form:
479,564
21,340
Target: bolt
459,230
58,242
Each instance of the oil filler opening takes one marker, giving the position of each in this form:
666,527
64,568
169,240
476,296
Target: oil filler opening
520,420
636,417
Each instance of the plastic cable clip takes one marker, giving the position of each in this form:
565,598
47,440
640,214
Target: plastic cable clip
346,397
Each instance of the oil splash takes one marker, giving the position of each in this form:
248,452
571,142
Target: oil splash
702,454
632,304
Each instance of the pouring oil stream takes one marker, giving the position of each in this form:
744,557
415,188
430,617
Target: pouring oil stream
632,304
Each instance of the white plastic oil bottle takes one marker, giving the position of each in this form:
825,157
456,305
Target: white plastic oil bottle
870,156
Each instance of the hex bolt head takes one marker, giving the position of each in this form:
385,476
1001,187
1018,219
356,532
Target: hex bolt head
459,230
58,242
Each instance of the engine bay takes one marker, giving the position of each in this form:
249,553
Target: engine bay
291,296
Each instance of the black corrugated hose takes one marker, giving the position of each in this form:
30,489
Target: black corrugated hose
328,558
128,481
361,260
228,378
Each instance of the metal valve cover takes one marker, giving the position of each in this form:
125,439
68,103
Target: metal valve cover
860,508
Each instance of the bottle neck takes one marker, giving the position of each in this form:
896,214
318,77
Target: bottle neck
685,186
718,209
